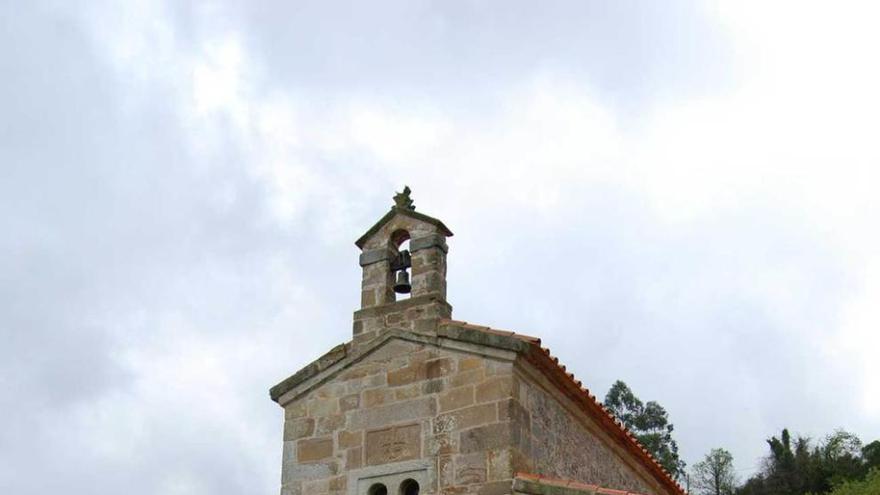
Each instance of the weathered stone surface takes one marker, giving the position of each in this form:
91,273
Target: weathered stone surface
559,445
498,464
338,484
445,443
470,469
370,381
393,413
427,241
419,313
299,472
465,418
495,488
296,409
314,449
329,424
468,377
317,487
378,396
350,402
513,410
497,388
395,444
413,373
371,256
433,386
354,458
294,429
323,407
466,363
410,392
456,398
348,439
445,471
484,438
439,367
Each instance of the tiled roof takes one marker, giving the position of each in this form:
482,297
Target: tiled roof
542,358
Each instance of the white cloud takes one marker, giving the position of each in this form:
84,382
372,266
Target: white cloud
733,227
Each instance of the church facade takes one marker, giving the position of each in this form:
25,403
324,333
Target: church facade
418,402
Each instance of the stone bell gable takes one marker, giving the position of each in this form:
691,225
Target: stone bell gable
419,403
382,259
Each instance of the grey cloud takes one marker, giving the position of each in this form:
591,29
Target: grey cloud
108,226
120,240
458,51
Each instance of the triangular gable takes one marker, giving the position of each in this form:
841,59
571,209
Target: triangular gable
405,212
345,355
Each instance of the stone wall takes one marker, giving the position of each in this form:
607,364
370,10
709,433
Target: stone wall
558,440
403,403
418,314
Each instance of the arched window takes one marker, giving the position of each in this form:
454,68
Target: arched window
378,489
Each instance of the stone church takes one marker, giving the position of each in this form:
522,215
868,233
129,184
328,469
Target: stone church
419,403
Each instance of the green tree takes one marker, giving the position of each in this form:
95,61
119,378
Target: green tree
715,475
789,469
871,454
869,486
649,422
792,467
796,466
840,458
756,485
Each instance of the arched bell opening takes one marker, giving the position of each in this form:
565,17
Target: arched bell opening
401,264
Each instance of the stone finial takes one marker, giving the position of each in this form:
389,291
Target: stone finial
403,201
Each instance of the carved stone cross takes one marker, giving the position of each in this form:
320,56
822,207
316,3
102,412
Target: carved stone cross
403,201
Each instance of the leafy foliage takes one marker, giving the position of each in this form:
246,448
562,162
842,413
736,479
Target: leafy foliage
649,422
796,467
871,454
715,474
869,486
837,465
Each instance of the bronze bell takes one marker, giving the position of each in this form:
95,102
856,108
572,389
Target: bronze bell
402,285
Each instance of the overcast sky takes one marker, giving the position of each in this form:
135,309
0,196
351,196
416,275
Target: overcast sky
681,195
